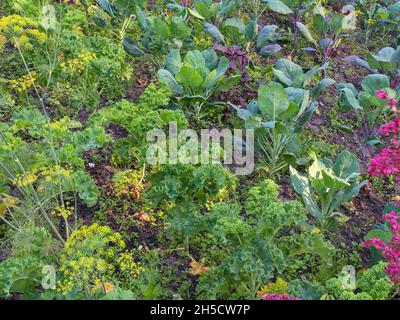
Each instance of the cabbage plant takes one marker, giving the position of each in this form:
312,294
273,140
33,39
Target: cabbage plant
196,78
327,186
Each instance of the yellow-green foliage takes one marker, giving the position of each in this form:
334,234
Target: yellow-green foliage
128,183
278,286
21,31
93,256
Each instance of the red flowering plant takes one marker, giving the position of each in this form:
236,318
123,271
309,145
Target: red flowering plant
390,249
387,162
373,105
278,296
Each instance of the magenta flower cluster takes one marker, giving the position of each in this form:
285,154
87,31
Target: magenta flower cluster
278,296
391,250
387,162
381,94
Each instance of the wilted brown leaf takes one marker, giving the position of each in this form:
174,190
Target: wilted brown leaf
198,268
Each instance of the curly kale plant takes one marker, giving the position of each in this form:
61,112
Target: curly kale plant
257,248
137,119
371,284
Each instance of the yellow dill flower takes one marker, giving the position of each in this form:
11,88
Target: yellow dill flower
27,179
8,202
127,263
21,31
78,64
316,230
23,83
3,41
63,211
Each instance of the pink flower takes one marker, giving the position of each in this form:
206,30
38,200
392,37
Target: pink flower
381,94
387,162
391,129
391,250
278,296
393,104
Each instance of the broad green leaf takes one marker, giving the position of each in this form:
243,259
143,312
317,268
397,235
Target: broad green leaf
384,55
195,14
322,85
394,9
348,99
305,32
289,73
195,60
306,116
353,192
306,290
141,17
223,66
396,57
333,182
227,83
373,82
315,244
267,34
236,23
105,5
214,32
315,170
131,47
278,6
337,23
251,30
300,183
179,28
211,58
173,61
211,80
346,164
166,76
273,100
269,50
227,7
189,78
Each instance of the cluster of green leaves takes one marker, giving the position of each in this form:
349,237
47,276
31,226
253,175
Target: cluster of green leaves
185,189
378,16
301,83
159,34
104,77
60,70
37,142
327,186
277,118
327,31
197,77
372,284
257,248
138,119
370,110
386,62
32,248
